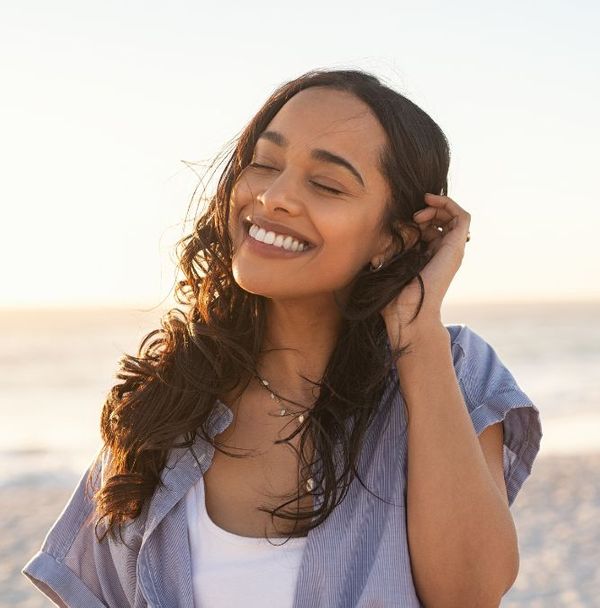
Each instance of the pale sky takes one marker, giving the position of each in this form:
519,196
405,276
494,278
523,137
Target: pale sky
101,102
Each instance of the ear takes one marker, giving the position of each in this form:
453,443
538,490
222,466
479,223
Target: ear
410,234
390,244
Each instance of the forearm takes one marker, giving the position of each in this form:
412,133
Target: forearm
462,538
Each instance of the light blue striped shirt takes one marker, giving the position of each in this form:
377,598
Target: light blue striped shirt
358,557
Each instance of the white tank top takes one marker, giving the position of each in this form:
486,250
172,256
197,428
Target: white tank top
233,570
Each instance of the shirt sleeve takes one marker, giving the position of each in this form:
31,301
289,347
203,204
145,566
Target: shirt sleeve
492,395
72,568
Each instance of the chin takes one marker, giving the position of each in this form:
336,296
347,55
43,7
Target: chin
256,282
264,284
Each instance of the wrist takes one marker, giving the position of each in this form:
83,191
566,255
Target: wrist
419,332
429,352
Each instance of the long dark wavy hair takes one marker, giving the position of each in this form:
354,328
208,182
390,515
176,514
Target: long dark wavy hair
211,344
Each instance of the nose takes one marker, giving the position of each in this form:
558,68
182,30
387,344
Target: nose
281,193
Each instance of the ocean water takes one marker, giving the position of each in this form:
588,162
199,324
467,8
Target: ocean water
56,368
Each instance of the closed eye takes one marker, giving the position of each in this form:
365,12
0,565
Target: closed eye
260,166
326,188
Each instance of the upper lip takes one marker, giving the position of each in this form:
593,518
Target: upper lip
275,227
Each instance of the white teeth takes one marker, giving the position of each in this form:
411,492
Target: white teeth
288,242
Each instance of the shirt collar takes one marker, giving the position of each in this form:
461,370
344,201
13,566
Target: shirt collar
184,467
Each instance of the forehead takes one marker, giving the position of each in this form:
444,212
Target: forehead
335,120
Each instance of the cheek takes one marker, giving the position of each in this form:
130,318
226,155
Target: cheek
237,193
347,236
243,190
240,198
345,252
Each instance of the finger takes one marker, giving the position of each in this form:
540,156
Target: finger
436,215
444,202
430,233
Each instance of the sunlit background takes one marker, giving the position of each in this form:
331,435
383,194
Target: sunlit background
110,111
102,102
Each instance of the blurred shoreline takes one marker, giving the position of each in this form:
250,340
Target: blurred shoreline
49,468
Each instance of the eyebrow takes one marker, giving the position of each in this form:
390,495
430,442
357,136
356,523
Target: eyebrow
318,154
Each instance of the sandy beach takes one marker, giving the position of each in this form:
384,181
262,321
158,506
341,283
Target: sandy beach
557,515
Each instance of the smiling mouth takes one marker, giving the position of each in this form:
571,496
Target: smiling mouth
307,245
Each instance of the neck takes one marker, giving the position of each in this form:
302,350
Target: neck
299,340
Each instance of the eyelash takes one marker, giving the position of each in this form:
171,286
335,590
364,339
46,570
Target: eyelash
327,188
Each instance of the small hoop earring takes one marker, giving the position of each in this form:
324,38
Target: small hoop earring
375,268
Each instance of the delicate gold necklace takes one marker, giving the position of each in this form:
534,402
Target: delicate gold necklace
283,411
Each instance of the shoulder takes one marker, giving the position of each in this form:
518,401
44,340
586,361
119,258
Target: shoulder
493,395
479,367
74,568
466,340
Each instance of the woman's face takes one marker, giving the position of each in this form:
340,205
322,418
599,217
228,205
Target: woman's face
315,173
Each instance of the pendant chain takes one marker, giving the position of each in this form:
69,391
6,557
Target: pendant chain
283,411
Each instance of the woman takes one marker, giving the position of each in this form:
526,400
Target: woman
309,390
